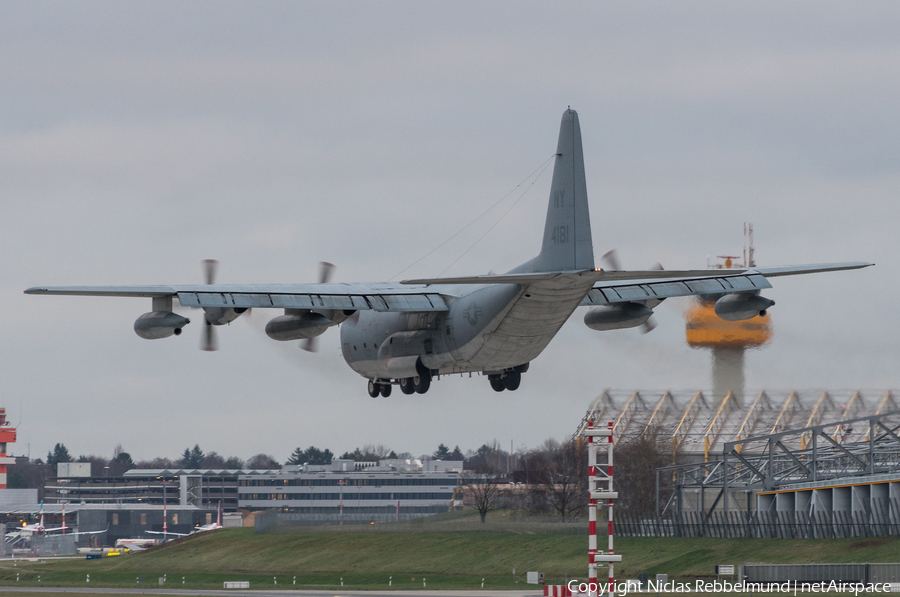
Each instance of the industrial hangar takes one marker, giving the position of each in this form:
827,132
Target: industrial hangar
790,464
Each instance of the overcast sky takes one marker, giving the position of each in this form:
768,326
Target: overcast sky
137,139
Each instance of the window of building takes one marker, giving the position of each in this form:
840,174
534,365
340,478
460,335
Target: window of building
208,518
175,518
115,518
143,519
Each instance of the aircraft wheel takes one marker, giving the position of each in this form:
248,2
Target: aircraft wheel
374,389
385,389
407,385
422,383
512,380
497,384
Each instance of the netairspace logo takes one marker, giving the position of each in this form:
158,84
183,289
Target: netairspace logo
723,586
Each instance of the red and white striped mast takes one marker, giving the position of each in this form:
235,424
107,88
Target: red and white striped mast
595,493
165,514
592,507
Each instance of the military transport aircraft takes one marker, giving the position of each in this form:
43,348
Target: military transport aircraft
410,332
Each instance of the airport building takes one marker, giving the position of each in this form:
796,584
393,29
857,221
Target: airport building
142,501
197,488
348,491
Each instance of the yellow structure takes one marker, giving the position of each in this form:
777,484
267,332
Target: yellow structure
727,339
705,329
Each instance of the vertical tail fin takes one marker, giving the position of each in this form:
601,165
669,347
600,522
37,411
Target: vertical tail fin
567,231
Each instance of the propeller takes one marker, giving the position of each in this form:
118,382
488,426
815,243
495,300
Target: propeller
325,272
209,342
610,261
210,267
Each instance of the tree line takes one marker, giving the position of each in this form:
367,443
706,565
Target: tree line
553,479
550,479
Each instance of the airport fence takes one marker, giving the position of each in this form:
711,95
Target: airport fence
51,545
771,525
812,573
273,521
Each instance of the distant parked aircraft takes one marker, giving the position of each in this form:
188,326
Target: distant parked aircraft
198,529
37,529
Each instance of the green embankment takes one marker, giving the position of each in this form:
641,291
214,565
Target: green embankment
446,560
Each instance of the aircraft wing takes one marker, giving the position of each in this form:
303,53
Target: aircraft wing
707,282
70,532
622,286
162,533
385,297
88,532
417,296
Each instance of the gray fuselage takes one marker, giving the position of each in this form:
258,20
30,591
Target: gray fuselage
487,329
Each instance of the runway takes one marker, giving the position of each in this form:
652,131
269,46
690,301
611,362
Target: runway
38,591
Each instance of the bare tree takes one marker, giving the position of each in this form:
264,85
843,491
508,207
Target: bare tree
380,451
481,491
532,474
156,463
262,461
562,478
213,460
636,462
369,453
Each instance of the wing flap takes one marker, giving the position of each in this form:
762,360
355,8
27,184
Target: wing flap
292,301
379,302
603,294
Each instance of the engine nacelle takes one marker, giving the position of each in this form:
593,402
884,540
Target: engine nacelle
222,315
297,327
738,306
618,316
159,324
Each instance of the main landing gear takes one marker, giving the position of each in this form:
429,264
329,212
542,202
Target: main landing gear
415,385
408,385
509,379
379,388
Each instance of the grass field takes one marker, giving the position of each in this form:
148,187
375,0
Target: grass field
440,560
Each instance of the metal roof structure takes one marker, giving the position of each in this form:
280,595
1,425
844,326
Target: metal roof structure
768,463
700,423
204,472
